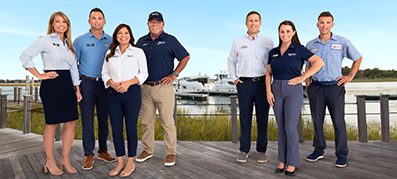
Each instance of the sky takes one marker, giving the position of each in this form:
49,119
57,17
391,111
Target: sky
206,28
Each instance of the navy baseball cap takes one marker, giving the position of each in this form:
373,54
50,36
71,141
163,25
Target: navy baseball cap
156,15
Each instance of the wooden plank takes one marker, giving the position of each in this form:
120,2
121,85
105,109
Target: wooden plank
27,169
37,166
58,155
16,168
77,159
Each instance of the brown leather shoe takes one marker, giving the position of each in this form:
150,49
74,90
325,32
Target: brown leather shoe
170,160
105,157
88,163
143,156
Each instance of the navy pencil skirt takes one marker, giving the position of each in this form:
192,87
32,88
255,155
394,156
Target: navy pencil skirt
59,98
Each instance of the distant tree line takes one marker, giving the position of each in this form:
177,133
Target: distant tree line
374,73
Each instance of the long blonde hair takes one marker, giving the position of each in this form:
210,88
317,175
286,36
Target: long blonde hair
68,33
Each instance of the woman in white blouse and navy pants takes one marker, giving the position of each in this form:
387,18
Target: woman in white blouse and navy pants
124,69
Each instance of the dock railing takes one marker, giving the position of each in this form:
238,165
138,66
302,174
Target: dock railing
360,102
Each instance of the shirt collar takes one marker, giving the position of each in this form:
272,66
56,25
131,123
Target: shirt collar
291,46
54,35
161,36
118,48
333,37
92,35
256,36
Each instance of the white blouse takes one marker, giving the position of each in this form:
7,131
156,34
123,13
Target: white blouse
126,66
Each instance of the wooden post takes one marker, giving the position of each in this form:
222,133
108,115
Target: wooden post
27,114
36,94
361,119
19,95
300,127
384,117
234,118
0,90
3,109
27,83
58,132
31,90
15,94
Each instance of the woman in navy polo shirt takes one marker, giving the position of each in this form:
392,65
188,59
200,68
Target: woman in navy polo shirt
285,94
124,69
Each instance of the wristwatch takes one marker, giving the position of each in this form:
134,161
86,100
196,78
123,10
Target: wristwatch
175,74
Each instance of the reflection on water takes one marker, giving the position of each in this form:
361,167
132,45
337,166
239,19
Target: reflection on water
352,89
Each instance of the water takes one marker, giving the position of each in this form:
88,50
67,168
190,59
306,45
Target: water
352,89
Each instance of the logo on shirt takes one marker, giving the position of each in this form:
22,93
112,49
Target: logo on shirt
130,56
145,44
90,45
275,55
336,46
107,45
115,56
291,54
314,50
243,47
160,42
55,44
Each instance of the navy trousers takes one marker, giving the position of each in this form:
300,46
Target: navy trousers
250,93
333,97
94,95
124,107
288,102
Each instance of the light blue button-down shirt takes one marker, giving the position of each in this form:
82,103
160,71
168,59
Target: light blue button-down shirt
248,58
90,53
54,53
332,53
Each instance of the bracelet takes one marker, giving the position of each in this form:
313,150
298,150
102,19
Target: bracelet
76,89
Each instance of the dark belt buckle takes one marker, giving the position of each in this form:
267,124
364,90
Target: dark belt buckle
256,79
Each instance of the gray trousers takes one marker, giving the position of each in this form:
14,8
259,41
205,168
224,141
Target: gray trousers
287,105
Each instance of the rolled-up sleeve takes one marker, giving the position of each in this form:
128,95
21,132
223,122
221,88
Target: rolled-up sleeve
105,72
32,51
142,67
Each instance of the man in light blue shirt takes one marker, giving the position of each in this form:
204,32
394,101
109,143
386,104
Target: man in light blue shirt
247,65
91,48
327,87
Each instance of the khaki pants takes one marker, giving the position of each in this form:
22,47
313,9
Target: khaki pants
161,97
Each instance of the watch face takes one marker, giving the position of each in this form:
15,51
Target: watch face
175,74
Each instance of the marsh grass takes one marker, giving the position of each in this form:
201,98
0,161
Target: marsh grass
206,128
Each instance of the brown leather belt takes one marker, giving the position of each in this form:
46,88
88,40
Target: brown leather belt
152,83
91,78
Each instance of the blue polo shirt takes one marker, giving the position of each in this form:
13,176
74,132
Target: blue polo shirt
289,65
333,52
160,54
90,53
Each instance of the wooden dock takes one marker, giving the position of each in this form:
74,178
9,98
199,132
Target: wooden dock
22,156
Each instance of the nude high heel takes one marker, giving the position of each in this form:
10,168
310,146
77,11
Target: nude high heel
46,170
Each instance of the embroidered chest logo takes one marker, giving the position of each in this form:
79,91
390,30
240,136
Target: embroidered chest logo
243,47
145,44
107,45
55,44
291,54
275,55
130,56
314,50
336,46
90,45
160,42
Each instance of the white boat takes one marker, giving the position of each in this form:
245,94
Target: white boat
222,84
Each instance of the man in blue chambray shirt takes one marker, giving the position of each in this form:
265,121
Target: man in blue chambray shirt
247,65
327,87
157,91
91,48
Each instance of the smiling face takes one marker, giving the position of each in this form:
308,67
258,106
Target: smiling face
97,21
253,23
60,25
286,33
123,36
155,26
324,25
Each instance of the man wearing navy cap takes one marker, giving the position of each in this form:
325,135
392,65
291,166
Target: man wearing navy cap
327,87
91,48
157,91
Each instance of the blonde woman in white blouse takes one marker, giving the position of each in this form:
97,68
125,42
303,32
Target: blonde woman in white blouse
124,70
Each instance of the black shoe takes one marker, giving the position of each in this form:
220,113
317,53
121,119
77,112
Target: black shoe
277,170
287,173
